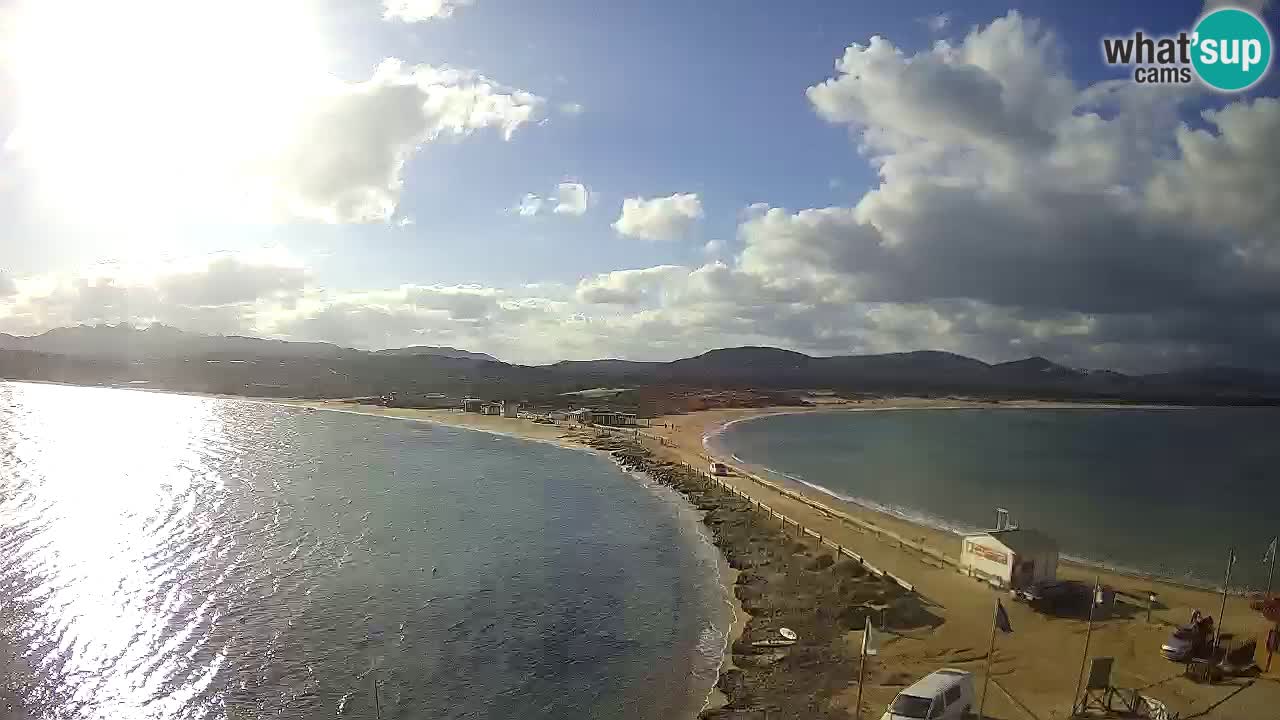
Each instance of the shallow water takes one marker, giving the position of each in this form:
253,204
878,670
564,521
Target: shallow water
180,557
1160,491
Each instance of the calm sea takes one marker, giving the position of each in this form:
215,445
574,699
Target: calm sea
164,556
1161,491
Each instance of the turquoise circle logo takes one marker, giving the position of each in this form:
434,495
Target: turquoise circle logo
1232,49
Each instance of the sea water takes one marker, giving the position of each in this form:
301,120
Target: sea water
167,556
1167,492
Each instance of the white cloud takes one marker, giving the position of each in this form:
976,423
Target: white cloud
529,205
346,162
1015,214
1257,6
412,11
265,133
216,293
571,108
937,23
627,287
571,198
664,218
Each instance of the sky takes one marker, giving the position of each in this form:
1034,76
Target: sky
561,179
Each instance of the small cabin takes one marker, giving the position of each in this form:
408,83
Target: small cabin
1010,556
475,405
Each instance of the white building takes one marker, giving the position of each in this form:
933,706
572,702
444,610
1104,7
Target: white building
1010,557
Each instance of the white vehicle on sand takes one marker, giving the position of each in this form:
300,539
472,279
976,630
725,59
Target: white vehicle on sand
945,694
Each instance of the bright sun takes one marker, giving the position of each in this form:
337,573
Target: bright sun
155,104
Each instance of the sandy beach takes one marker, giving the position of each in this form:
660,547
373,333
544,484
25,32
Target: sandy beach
1035,668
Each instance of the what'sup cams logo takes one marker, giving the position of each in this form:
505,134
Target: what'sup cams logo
1229,49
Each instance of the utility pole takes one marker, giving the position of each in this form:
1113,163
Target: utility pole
1222,614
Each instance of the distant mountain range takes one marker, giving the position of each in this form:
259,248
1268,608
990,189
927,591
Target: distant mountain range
444,351
927,371
126,341
166,357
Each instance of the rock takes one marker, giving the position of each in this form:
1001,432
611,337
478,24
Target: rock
822,562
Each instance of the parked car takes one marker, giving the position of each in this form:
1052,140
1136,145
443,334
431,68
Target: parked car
719,468
1064,597
945,694
1189,641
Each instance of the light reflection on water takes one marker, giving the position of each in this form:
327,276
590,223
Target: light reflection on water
168,556
105,512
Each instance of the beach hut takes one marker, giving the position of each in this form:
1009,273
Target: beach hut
474,405
491,409
1010,557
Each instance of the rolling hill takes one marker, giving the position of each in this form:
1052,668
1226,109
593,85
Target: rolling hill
166,357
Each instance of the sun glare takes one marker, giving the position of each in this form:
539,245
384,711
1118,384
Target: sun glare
149,104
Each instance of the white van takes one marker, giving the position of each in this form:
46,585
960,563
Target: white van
719,468
946,694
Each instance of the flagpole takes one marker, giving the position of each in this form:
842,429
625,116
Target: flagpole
862,666
986,683
1271,568
1088,634
1222,613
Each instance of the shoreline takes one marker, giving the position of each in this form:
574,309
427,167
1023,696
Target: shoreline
710,423
781,580
577,440
925,521
918,552
776,584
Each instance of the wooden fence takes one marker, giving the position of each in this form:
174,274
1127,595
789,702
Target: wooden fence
801,530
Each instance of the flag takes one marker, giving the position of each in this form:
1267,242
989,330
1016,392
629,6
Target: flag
1002,618
869,640
1270,557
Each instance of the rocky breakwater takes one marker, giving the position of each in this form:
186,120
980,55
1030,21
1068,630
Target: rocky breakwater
786,581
